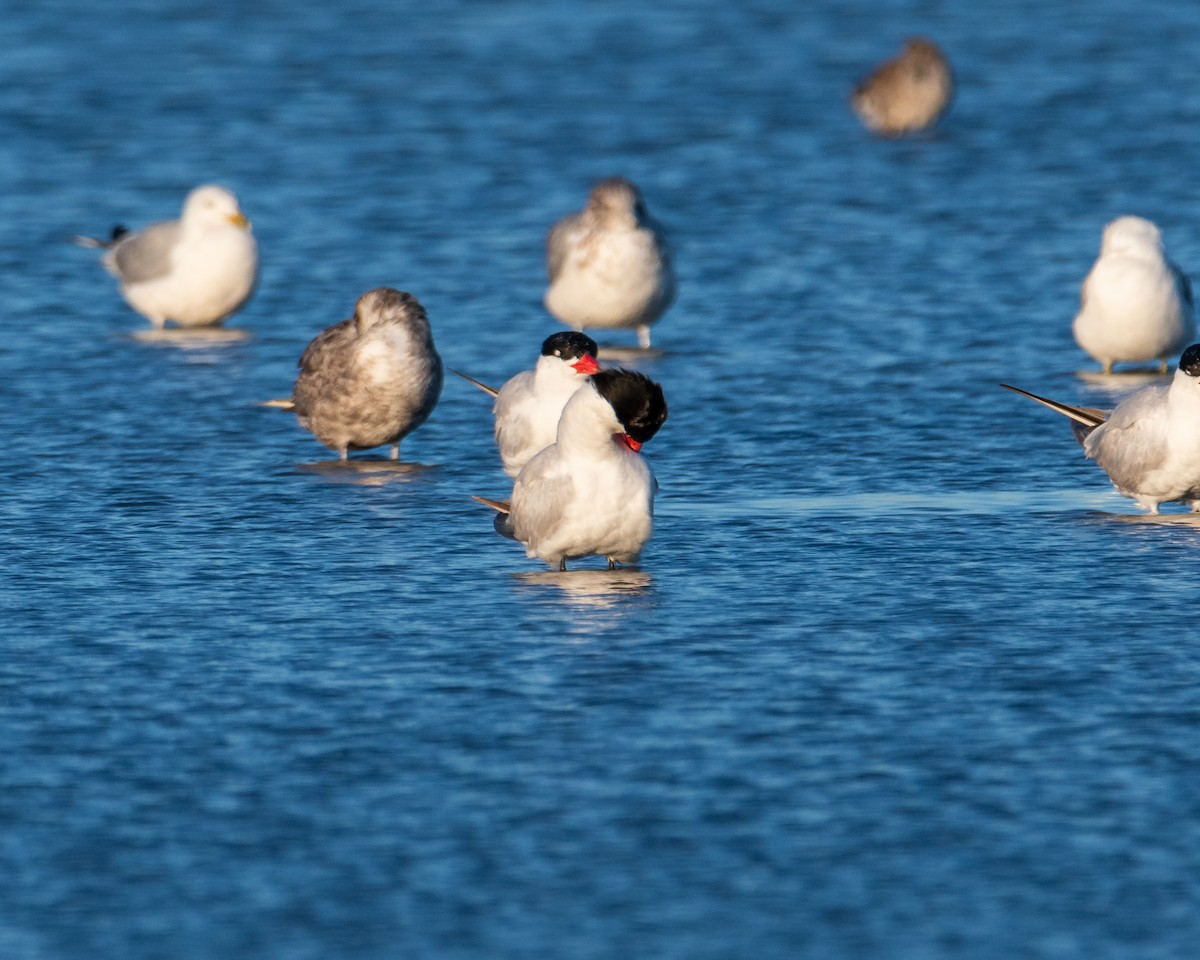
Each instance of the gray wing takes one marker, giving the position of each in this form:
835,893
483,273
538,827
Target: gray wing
541,497
558,244
326,362
145,255
1134,440
513,431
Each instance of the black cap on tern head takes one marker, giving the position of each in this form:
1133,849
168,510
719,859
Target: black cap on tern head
637,401
1189,363
569,346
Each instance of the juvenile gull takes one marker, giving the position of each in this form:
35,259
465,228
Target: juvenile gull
609,264
590,492
1135,304
528,406
194,271
369,380
1150,444
907,93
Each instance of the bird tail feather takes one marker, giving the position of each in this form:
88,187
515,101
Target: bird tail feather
490,391
1089,417
503,519
95,243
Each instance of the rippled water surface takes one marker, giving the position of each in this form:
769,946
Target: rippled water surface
899,675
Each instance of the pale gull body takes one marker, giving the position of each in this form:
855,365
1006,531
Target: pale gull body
194,271
1135,304
609,264
907,93
591,492
369,380
1150,444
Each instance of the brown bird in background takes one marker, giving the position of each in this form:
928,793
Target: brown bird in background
908,93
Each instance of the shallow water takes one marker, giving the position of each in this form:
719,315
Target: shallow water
899,676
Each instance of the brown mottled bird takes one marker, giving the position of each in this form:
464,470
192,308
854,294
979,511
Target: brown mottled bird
908,93
369,380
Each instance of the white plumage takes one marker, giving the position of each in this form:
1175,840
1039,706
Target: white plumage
591,492
1135,305
1150,444
609,264
194,271
528,407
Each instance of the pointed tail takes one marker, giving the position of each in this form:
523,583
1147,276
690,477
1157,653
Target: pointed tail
283,403
490,391
1083,419
95,243
503,520
1087,416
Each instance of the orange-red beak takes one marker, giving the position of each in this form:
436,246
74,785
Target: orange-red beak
586,365
634,445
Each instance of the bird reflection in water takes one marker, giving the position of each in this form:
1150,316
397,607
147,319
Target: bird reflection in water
368,473
617,591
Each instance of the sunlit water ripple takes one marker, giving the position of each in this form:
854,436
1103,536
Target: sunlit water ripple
900,675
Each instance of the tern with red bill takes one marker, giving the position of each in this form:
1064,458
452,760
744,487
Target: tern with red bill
528,406
590,492
1150,444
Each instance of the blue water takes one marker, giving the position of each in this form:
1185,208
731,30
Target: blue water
900,676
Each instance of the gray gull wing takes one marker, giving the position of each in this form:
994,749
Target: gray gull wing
145,255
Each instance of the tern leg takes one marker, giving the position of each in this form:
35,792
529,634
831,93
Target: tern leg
644,337
1162,365
396,451
612,564
343,454
562,565
1106,366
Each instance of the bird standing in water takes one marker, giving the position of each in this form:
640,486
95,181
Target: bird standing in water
1150,444
590,492
369,380
609,264
194,271
1135,304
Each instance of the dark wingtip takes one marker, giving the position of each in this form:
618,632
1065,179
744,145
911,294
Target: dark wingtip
503,524
1189,363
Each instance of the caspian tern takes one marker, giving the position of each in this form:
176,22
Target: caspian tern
528,406
194,271
609,264
369,380
907,93
590,492
1150,444
1135,304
